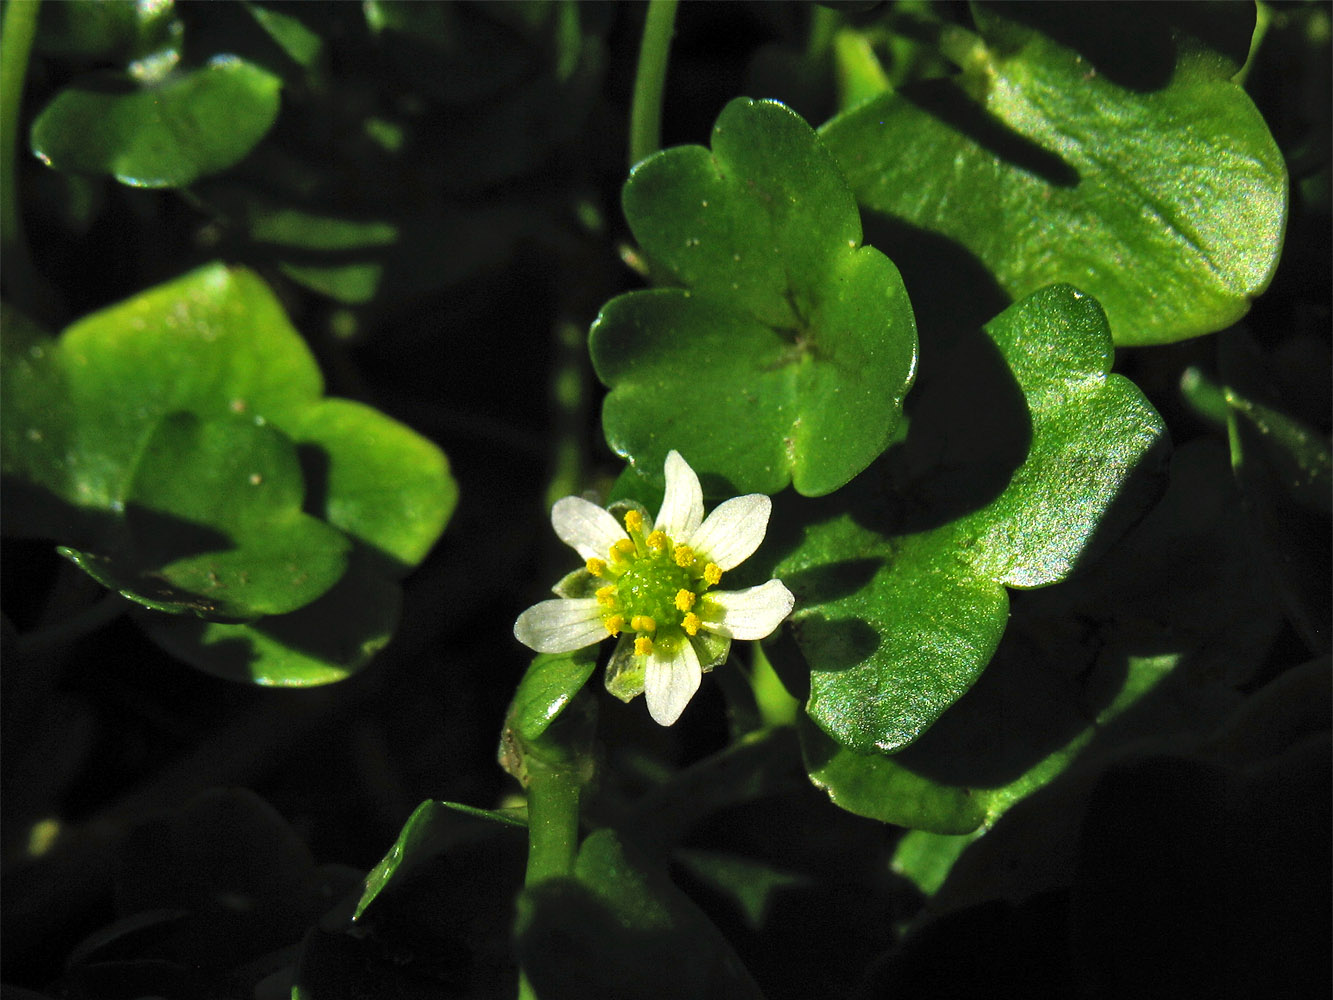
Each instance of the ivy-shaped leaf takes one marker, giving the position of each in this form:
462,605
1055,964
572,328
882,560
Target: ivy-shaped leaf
166,134
1105,146
179,447
785,353
1181,584
1016,458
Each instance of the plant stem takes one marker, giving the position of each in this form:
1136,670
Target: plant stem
569,397
553,834
553,823
645,119
20,26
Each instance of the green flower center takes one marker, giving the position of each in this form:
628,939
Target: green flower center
653,586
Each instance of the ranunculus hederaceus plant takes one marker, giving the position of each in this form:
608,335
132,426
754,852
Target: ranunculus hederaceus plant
961,523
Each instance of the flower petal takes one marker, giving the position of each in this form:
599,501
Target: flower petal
586,528
561,626
733,531
746,614
670,681
683,505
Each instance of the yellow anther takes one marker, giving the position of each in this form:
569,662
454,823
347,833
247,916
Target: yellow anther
712,574
614,624
642,623
657,540
633,520
684,556
606,596
621,549
595,566
691,624
685,600
643,646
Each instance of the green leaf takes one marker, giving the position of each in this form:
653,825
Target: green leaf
167,134
179,447
215,343
427,832
621,928
1071,684
214,524
550,684
786,354
294,38
900,604
378,480
1134,169
1301,458
325,641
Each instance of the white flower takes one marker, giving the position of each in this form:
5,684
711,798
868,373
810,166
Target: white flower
652,587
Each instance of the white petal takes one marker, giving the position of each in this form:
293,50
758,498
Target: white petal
733,531
670,682
746,614
561,626
683,506
586,528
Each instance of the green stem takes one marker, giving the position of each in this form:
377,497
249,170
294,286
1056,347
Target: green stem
20,26
569,396
824,23
553,823
553,834
645,119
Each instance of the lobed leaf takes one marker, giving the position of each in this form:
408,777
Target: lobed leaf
900,600
1137,171
178,445
786,333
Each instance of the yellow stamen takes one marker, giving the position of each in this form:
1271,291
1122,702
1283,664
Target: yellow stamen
606,596
712,574
621,549
657,540
684,600
643,646
633,521
614,624
595,566
642,623
684,556
691,624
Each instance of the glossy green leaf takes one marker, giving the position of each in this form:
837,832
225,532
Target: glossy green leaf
621,928
378,481
167,134
320,643
551,682
1105,146
1057,696
179,447
214,343
1020,454
426,832
214,524
786,354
